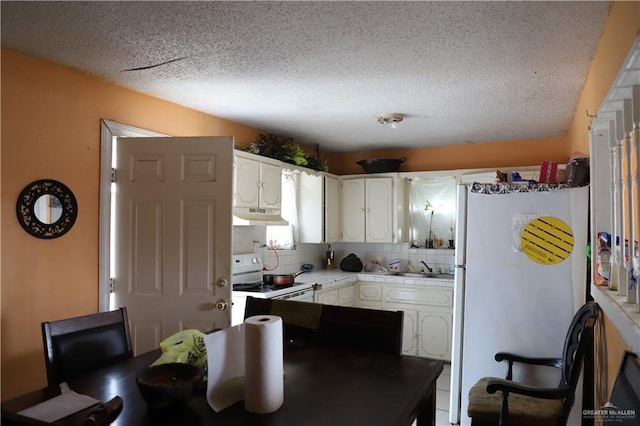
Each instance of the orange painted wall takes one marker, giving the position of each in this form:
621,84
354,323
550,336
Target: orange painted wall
492,154
622,27
51,129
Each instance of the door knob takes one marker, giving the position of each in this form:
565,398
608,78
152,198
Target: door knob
222,305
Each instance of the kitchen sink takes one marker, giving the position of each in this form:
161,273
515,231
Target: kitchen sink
443,276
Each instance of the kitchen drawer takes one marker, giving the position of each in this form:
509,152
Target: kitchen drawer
370,292
442,297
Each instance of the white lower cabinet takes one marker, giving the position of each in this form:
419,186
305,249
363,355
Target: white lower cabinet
426,332
327,296
410,332
434,336
428,315
343,295
428,312
369,295
347,295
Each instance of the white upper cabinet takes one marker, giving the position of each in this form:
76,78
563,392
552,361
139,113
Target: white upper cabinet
319,208
367,210
331,208
379,211
353,210
257,183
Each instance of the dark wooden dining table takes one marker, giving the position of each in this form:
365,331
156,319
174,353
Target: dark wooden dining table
324,386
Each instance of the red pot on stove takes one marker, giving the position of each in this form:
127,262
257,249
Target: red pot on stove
280,279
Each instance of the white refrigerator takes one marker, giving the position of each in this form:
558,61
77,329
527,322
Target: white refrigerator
505,300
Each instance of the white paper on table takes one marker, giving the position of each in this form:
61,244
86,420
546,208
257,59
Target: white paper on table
225,357
63,405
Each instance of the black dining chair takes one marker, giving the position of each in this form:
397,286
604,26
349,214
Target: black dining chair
360,328
77,345
357,328
495,401
257,306
300,319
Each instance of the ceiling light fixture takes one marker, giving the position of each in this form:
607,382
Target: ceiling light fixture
391,119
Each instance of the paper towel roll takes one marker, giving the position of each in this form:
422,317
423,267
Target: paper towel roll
264,380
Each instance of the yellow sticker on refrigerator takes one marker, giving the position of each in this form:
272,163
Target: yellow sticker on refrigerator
547,240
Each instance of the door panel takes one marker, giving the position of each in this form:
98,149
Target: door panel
410,332
332,209
246,181
145,236
173,235
353,210
270,186
196,254
435,332
379,221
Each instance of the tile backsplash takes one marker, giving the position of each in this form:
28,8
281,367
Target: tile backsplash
438,259
251,239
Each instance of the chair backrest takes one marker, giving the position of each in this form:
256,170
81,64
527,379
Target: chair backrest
77,345
300,319
256,306
358,328
578,340
579,337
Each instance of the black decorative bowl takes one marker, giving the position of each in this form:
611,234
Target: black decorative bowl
381,165
168,385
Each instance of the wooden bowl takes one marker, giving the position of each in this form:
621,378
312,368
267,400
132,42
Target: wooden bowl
381,165
168,385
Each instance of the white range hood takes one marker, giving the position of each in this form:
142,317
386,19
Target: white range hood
247,217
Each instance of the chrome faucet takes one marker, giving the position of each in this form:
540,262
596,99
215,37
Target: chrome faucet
429,268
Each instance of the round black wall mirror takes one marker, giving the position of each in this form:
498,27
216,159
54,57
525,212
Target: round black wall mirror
47,209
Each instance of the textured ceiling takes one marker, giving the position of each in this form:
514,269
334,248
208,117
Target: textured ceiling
320,72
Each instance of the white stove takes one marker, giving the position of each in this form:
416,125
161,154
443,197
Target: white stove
246,281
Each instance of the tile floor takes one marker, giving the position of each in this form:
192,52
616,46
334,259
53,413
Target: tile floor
442,396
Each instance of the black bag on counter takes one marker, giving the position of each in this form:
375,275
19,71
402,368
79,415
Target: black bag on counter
351,263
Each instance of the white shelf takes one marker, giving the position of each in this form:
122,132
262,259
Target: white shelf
622,314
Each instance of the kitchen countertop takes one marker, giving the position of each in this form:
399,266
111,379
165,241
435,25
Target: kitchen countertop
325,279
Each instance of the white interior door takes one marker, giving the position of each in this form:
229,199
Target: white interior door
173,235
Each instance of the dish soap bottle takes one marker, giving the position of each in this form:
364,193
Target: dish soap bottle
329,258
